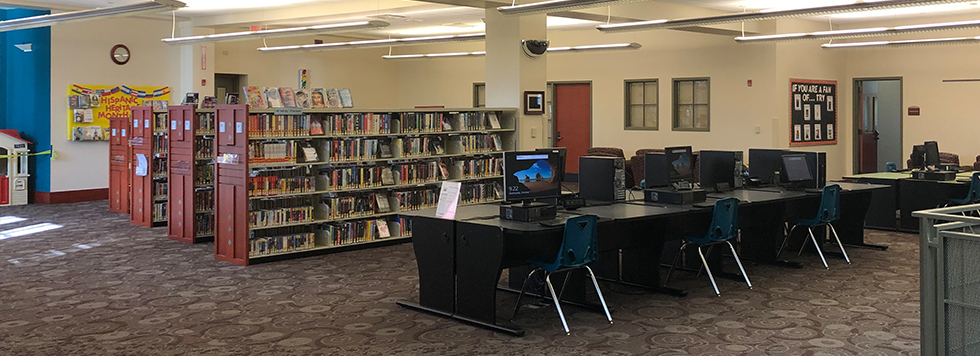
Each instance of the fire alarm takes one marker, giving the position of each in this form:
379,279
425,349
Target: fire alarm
749,83
204,82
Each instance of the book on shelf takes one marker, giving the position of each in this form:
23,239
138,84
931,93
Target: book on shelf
272,97
191,99
333,98
316,126
385,151
302,98
350,149
280,211
288,97
309,153
231,98
383,229
387,177
346,100
494,121
159,105
281,240
382,201
278,183
351,205
498,145
209,102
444,170
272,152
270,125
254,97
318,98
446,126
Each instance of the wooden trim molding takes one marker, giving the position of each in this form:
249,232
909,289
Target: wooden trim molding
71,196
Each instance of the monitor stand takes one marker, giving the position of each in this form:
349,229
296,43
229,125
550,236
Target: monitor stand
528,211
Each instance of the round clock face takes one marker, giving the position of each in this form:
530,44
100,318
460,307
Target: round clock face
120,54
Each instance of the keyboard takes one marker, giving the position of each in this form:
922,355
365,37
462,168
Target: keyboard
707,204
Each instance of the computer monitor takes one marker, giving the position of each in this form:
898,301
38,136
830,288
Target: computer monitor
530,175
680,164
562,154
918,157
932,153
717,167
763,163
796,168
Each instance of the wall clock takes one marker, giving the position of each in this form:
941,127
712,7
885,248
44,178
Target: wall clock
119,54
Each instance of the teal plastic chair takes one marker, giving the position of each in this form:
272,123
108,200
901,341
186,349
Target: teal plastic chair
973,196
723,229
828,213
578,249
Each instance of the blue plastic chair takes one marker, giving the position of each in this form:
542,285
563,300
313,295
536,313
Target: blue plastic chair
578,249
973,196
828,213
890,167
723,228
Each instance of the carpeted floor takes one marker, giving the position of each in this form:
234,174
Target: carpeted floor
101,286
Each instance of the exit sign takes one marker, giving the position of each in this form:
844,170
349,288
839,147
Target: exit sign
913,111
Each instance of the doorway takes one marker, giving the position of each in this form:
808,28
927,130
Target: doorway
225,83
571,122
878,118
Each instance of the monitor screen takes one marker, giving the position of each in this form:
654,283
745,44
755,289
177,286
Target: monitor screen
796,168
918,157
763,163
932,153
529,175
561,151
716,167
680,164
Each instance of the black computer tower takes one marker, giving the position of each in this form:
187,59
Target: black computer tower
602,178
655,170
817,162
739,163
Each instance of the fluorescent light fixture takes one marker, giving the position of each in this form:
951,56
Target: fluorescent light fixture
280,32
903,43
863,32
149,7
27,230
769,15
586,48
543,7
380,43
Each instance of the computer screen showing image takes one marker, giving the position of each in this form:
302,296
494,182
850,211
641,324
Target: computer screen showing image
680,164
796,168
530,175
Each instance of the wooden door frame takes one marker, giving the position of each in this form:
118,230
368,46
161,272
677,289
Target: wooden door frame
552,117
856,115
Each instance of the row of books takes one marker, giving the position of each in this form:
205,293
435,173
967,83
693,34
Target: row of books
351,149
421,172
346,233
480,192
84,101
205,123
352,206
481,143
160,122
203,148
272,152
159,189
279,182
351,178
402,226
416,199
425,122
480,167
159,211
291,240
420,146
280,216
159,166
204,224
474,121
272,97
160,144
204,175
351,124
204,199
269,125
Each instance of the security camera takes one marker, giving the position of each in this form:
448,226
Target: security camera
535,48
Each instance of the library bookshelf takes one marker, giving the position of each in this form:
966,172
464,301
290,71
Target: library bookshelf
294,182
119,164
149,185
191,174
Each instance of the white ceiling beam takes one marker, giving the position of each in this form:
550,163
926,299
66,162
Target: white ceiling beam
322,12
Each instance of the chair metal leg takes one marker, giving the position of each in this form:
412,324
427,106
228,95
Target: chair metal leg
599,292
521,295
706,268
785,240
561,291
817,246
739,262
547,280
833,230
674,263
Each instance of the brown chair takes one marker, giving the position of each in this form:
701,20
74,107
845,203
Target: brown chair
976,165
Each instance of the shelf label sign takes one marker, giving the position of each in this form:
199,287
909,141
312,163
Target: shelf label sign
448,200
287,111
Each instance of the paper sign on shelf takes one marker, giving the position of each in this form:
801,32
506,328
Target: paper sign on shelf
448,200
141,165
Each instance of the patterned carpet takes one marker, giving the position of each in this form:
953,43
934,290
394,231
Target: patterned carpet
101,286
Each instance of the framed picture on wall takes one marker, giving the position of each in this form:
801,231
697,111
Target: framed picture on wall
533,102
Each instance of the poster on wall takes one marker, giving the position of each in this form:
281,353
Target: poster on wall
91,106
812,109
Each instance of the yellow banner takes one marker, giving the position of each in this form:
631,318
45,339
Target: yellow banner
91,106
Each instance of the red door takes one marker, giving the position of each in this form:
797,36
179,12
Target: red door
573,121
869,133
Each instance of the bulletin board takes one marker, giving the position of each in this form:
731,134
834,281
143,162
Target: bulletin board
114,101
813,112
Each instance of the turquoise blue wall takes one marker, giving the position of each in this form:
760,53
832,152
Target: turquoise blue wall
25,90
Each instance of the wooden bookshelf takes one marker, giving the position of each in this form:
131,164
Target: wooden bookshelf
150,188
120,154
283,203
191,174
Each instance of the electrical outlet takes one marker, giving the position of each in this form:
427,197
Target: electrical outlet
534,132
758,129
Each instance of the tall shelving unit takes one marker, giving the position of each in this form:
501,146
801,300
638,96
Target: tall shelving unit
275,200
191,174
119,164
149,191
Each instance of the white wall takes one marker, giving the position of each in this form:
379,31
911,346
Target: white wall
80,55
